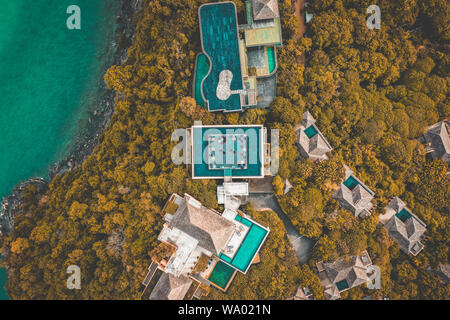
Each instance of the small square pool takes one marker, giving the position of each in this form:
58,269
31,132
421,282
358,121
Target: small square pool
403,215
311,131
351,183
221,275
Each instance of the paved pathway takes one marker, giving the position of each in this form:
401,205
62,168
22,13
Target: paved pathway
300,15
301,244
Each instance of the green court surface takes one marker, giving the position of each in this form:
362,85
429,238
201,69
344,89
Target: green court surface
221,274
271,58
201,70
263,36
311,131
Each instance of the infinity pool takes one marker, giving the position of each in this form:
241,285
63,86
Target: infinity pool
249,247
202,69
220,35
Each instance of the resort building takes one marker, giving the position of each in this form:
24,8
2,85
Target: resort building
170,287
444,272
405,227
228,151
303,293
312,144
287,186
237,67
230,242
232,194
354,195
438,141
342,275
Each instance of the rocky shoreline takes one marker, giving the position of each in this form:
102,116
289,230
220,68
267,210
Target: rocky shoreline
86,142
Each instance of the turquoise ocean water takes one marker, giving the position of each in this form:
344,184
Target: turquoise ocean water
49,79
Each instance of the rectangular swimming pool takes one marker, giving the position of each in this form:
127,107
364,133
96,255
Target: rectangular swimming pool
271,58
342,285
311,131
403,215
221,275
351,183
249,247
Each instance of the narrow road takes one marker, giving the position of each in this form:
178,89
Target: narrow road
300,14
302,245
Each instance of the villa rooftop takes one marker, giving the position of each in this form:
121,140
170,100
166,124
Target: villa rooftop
265,9
230,240
342,275
170,287
404,226
312,144
437,136
263,23
354,195
211,230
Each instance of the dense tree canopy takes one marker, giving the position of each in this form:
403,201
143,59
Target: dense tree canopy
373,93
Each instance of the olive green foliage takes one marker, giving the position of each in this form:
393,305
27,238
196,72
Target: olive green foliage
87,218
373,93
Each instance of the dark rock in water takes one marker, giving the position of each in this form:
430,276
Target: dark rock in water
11,205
